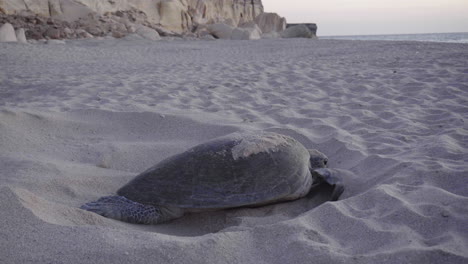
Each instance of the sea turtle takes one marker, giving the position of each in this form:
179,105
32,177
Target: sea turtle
240,169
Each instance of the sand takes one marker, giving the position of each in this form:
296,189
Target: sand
79,120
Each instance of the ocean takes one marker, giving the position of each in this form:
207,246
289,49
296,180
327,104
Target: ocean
432,37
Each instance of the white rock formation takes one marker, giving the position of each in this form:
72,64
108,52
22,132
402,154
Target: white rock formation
173,16
69,10
176,15
12,6
213,11
7,33
21,36
270,22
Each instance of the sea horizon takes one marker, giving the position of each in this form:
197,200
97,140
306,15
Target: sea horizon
446,37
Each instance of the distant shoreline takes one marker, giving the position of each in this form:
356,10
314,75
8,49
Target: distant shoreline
456,37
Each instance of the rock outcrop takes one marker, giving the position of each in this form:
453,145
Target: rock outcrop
118,25
149,19
21,36
176,15
270,22
298,31
7,33
312,26
147,33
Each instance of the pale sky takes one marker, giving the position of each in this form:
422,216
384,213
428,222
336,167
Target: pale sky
367,17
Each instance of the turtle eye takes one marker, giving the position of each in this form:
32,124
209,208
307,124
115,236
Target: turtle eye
325,162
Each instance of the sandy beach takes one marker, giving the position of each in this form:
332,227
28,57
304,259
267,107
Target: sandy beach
79,120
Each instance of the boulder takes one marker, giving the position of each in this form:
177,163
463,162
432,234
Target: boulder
220,30
312,26
208,37
147,33
239,34
118,34
271,35
7,33
299,31
189,35
132,36
81,33
118,27
35,33
69,33
53,33
21,36
96,30
131,28
201,32
246,33
165,32
270,22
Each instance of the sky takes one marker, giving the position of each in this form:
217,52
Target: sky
371,17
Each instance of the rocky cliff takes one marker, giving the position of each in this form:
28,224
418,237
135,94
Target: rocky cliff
176,15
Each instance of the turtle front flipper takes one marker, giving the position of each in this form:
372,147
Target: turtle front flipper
123,209
337,191
327,176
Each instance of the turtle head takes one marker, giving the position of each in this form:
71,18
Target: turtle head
317,159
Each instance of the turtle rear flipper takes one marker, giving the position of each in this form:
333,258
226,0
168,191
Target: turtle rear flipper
123,209
327,176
